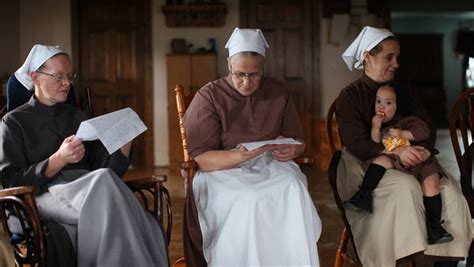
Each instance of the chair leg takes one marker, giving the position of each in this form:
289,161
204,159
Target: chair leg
341,249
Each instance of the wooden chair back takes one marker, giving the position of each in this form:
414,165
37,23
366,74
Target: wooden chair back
332,131
461,123
188,166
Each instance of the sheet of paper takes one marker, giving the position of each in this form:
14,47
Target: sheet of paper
114,129
255,145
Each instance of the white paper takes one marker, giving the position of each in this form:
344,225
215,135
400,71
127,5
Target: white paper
114,129
281,141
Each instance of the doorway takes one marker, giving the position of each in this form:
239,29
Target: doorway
291,28
112,42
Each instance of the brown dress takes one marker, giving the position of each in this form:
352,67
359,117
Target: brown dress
220,118
421,132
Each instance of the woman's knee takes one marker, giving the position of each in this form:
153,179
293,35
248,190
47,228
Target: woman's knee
406,182
104,175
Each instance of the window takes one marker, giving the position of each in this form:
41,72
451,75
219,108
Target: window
470,72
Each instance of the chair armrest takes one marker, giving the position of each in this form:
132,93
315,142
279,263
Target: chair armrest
304,161
146,181
20,190
190,164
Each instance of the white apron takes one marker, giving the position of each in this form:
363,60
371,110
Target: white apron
258,214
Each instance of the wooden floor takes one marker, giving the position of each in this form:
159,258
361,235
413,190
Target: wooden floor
319,189
321,194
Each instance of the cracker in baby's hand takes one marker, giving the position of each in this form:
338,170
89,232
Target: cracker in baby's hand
390,143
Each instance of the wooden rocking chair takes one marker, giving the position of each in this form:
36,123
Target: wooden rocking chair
188,166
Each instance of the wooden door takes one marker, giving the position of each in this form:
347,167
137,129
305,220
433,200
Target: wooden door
114,51
291,29
421,68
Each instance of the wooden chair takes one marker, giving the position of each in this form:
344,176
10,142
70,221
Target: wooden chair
187,166
461,123
334,141
30,244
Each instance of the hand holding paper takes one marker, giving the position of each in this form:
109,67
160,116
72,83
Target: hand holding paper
279,141
114,129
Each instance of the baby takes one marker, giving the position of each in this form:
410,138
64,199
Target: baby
395,131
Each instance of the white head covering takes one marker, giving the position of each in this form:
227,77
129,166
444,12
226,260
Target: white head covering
36,58
247,40
368,38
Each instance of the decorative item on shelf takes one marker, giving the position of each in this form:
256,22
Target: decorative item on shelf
213,45
202,14
178,45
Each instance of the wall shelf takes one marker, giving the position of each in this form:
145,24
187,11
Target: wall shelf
195,15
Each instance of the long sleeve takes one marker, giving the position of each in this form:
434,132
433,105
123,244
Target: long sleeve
14,168
202,125
429,143
354,128
418,128
98,157
291,126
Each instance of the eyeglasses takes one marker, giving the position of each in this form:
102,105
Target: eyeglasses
70,77
254,76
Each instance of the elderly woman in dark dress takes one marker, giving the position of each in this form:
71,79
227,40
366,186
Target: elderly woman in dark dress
79,182
396,228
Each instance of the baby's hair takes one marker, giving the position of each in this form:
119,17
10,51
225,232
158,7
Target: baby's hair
401,93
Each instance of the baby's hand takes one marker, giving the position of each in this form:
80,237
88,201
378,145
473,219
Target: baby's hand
395,132
377,121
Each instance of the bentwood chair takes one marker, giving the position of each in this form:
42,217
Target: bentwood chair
461,123
32,241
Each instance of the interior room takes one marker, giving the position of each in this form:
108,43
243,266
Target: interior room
134,53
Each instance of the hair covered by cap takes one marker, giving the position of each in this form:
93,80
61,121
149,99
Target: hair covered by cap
247,40
38,55
367,39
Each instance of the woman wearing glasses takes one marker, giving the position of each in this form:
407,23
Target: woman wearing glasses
254,208
79,182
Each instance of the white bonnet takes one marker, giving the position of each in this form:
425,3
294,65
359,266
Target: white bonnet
247,40
38,55
367,39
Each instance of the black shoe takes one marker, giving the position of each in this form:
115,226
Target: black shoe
436,233
361,201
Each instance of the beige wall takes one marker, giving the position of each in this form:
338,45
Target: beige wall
334,73
45,22
162,36
34,28
9,30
